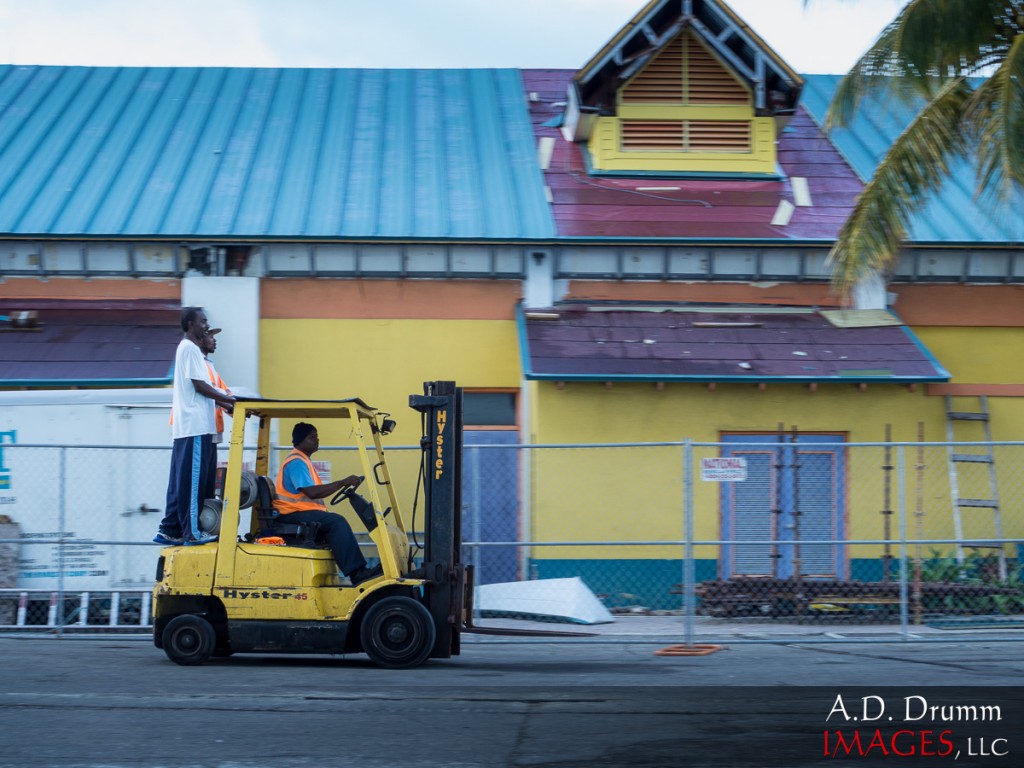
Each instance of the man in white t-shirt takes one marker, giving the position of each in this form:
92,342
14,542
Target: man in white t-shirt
193,426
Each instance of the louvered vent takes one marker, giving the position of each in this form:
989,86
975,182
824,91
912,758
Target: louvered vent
685,72
686,135
707,81
661,81
653,135
717,136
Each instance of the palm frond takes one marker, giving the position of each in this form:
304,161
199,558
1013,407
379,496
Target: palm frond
927,44
995,119
877,69
943,39
916,164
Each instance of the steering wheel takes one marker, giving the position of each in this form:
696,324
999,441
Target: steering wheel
347,491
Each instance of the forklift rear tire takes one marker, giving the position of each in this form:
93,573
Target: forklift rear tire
397,633
189,640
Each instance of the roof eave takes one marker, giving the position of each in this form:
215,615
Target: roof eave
640,24
608,47
703,379
72,383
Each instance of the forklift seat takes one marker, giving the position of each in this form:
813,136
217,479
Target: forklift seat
296,534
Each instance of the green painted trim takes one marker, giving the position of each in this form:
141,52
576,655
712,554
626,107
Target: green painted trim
524,347
70,383
703,379
780,242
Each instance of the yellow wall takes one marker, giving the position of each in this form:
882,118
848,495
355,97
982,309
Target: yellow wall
637,493
983,356
978,355
383,362
622,494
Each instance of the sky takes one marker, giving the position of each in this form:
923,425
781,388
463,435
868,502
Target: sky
813,37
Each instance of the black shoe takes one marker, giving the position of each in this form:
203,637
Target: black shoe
365,574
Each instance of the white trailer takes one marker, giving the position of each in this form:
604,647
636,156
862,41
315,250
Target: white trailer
83,482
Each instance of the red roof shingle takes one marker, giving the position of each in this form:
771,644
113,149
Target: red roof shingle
617,207
82,343
708,344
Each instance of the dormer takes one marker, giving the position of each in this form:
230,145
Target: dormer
684,89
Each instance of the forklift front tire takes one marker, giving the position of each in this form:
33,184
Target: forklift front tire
397,633
189,640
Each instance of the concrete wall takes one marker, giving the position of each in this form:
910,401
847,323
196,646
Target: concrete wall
233,304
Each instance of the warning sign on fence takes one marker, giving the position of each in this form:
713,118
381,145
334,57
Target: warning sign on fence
725,469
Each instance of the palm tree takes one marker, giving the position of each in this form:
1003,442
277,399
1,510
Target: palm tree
965,60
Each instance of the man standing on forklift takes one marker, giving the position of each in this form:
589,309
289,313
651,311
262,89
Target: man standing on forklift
299,500
193,459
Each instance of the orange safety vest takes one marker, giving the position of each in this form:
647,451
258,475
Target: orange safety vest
218,382
287,502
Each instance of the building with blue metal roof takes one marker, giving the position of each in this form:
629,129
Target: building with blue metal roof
633,251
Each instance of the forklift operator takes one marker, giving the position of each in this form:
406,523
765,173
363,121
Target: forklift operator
299,500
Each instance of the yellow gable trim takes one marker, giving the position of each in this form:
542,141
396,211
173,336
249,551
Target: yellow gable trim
608,154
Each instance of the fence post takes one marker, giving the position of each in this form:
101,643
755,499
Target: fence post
61,526
525,508
682,555
901,478
689,566
475,505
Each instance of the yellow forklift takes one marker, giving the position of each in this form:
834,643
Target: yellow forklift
244,594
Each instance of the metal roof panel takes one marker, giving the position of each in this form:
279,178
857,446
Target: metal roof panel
248,153
955,214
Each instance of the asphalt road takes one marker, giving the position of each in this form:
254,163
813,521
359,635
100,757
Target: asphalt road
116,702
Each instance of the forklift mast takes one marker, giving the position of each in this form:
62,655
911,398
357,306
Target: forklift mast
441,406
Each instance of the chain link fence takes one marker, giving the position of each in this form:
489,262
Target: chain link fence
752,537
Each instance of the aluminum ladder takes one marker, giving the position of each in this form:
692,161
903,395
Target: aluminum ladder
985,456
